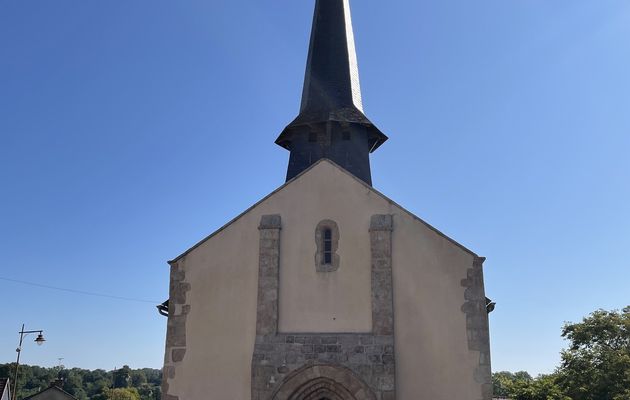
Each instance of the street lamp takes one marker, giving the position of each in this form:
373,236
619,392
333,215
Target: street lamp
39,340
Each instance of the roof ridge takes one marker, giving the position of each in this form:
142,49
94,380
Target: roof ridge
50,388
214,233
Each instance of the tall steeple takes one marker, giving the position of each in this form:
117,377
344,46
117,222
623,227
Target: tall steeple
331,123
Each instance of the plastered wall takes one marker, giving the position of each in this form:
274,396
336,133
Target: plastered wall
432,355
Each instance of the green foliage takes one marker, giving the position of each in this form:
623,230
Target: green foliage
139,384
122,377
138,378
150,392
123,394
30,379
544,387
504,381
596,366
521,386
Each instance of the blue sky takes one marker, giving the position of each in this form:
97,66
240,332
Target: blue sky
129,130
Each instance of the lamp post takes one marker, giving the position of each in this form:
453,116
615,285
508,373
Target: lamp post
39,340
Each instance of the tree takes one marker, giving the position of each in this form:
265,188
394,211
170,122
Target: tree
73,382
596,366
122,377
123,394
148,392
521,386
85,384
503,382
138,378
544,387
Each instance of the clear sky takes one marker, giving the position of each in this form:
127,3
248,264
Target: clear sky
129,130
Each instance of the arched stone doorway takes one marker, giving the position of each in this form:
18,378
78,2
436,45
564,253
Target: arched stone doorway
323,382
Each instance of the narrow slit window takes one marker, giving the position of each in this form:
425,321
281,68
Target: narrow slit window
327,246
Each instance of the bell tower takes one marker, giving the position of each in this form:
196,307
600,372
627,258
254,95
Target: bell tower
331,123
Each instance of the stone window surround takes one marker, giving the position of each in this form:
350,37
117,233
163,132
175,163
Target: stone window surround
320,265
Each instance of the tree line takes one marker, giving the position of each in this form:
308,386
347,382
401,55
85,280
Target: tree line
121,384
595,366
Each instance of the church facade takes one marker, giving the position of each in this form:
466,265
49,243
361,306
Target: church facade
326,289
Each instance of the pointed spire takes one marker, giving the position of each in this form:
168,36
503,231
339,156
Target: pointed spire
332,74
331,123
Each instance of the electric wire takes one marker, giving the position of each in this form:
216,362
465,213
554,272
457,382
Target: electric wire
75,291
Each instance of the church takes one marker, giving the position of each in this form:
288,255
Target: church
326,289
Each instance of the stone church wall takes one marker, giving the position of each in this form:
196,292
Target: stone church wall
368,356
439,334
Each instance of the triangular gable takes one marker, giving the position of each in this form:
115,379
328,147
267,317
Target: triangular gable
43,393
301,176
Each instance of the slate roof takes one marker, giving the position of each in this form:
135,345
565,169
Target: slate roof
52,392
332,91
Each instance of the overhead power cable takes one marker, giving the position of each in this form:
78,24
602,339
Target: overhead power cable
82,292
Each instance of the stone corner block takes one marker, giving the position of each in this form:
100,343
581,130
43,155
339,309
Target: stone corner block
382,222
270,222
478,262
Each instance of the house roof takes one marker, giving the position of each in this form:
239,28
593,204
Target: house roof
51,389
300,176
4,385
